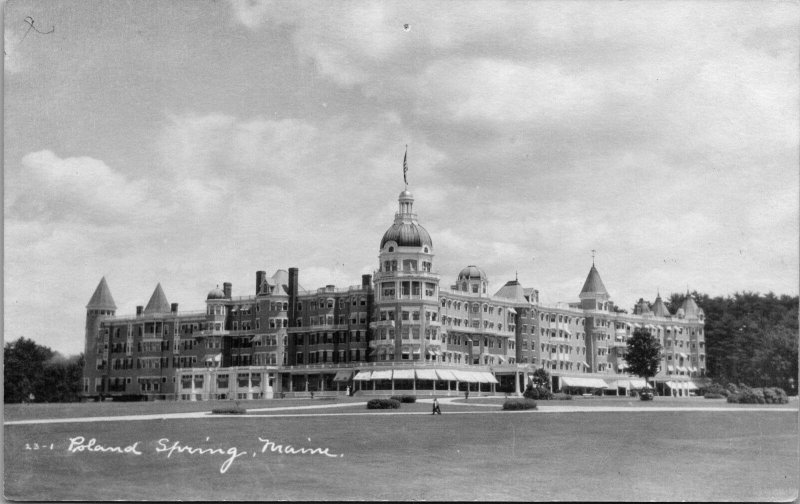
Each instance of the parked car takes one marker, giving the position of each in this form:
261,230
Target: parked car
646,394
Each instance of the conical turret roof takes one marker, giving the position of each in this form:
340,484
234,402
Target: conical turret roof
158,302
690,308
593,285
513,290
659,308
101,299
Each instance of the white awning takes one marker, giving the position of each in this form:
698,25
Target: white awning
465,376
362,376
213,358
638,383
383,374
446,374
343,375
682,354
489,377
692,385
403,374
570,381
512,310
670,368
426,374
501,359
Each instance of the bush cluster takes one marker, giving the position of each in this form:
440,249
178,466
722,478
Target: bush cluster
519,404
537,393
383,404
768,395
714,395
405,398
717,390
229,410
560,396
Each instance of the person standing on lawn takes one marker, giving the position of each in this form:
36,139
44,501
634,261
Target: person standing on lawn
436,408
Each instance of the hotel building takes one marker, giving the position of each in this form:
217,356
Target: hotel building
399,331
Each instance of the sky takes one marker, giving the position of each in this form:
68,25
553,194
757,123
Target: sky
196,142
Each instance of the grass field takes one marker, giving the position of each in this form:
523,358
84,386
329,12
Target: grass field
489,455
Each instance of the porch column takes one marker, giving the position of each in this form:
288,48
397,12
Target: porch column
306,382
321,382
516,383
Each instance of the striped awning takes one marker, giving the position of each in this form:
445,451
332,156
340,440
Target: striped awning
383,374
426,374
571,381
343,375
362,376
446,374
489,377
465,376
403,374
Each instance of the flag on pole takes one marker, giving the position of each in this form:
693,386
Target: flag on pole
405,165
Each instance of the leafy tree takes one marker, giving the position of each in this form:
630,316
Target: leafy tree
37,373
541,378
644,353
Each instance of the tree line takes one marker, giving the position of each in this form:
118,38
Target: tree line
750,338
35,373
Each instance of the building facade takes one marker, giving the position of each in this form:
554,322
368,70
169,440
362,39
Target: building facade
398,331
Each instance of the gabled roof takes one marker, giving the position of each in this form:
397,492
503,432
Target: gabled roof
593,284
514,291
101,299
158,302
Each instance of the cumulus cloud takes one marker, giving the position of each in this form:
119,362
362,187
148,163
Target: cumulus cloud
81,188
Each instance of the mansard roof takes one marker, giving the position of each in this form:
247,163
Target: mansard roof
101,299
158,302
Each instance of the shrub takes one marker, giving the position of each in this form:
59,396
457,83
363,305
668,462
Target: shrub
775,395
732,388
405,398
229,410
716,388
560,396
540,393
519,404
383,404
747,395
714,395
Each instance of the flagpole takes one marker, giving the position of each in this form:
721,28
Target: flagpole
405,167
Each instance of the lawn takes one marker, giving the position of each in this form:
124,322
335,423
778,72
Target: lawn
696,455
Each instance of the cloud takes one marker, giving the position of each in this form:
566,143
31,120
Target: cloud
79,188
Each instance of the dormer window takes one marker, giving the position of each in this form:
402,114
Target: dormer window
391,249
